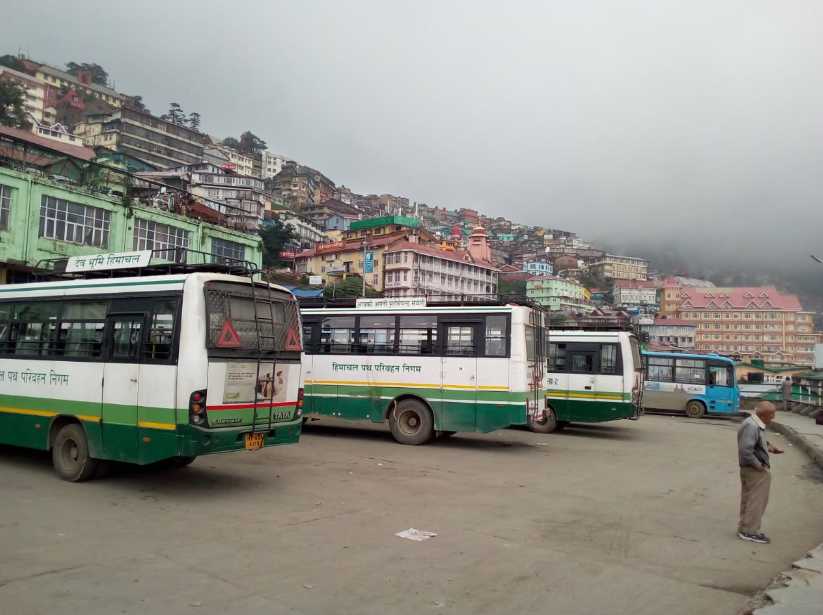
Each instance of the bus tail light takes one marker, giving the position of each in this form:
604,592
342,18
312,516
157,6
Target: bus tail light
299,407
197,409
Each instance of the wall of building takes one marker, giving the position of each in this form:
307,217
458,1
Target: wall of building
21,245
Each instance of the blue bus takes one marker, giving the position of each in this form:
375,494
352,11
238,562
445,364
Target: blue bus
697,384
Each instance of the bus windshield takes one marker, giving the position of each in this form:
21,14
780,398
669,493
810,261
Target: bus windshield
242,322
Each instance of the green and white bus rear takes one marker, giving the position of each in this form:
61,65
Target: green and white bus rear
424,370
148,368
592,376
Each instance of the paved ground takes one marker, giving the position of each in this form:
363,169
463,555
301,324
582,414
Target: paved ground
630,517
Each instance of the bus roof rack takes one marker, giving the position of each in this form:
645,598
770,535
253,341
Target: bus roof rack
141,263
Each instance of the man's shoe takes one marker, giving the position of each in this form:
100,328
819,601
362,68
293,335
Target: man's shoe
758,538
764,538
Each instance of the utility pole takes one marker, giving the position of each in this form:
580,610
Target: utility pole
364,267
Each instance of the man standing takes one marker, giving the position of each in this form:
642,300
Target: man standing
755,474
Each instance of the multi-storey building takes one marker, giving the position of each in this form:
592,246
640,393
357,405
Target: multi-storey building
670,333
634,293
537,267
616,267
41,219
240,163
34,101
267,165
756,322
240,199
299,186
382,225
145,137
413,269
668,292
559,294
58,80
305,232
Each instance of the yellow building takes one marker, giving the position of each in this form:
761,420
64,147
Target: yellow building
620,267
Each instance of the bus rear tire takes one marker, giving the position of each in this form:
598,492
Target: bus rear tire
547,424
411,422
70,454
181,461
695,409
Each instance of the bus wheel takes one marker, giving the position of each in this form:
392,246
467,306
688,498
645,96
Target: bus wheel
545,424
181,461
411,422
70,454
695,409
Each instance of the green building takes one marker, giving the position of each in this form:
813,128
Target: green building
42,218
559,294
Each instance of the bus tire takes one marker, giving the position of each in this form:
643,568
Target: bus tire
181,461
411,422
70,454
695,409
547,424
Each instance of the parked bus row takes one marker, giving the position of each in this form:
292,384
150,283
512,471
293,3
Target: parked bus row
136,359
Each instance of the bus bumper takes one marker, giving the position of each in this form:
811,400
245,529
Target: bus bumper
194,441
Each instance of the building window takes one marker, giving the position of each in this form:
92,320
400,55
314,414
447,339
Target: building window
5,205
150,235
222,248
66,221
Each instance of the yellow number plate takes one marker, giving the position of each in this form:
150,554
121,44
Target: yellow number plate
254,441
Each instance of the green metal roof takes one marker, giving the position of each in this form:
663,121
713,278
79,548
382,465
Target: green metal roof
383,221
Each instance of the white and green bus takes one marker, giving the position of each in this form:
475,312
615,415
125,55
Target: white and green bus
425,370
592,376
146,368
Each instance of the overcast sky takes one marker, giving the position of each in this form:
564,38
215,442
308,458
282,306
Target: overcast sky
696,121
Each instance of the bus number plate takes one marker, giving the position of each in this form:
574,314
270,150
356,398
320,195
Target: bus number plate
254,441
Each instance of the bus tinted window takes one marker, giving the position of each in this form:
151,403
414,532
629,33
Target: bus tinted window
376,334
557,357
160,338
531,348
608,359
690,371
35,327
460,340
581,362
337,335
418,334
660,369
495,336
81,329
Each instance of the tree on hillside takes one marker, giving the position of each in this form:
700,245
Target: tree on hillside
231,142
175,115
194,121
12,62
352,286
511,288
98,73
136,103
12,112
276,237
250,143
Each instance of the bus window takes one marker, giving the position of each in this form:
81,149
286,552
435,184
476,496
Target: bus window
337,335
721,375
35,327
81,329
531,348
376,334
418,334
608,359
126,336
309,343
160,341
495,336
690,371
660,369
460,340
557,357
581,362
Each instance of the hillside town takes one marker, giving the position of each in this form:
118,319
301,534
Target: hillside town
85,168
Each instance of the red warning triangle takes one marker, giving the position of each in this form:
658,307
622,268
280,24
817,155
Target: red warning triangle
228,337
293,339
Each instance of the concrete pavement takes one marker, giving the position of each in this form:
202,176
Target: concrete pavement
627,517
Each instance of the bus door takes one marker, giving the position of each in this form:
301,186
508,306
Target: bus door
121,377
581,363
720,387
461,339
610,386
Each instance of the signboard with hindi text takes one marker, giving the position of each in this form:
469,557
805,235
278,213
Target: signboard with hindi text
391,303
111,260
